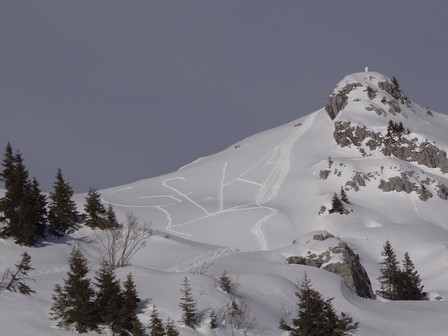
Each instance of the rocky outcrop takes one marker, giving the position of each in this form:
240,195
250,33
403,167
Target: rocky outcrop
336,102
403,148
442,191
356,181
339,259
324,173
352,271
402,183
393,89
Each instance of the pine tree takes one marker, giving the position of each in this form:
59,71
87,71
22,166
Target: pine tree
137,328
40,203
155,324
410,283
63,214
390,274
95,210
170,328
316,315
188,305
336,205
213,320
226,283
111,221
23,205
16,280
128,319
73,303
109,299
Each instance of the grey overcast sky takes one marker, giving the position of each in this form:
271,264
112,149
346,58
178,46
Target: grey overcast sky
114,91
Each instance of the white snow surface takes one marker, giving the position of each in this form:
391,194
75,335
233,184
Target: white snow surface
241,209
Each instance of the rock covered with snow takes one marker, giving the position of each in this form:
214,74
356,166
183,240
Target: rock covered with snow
325,251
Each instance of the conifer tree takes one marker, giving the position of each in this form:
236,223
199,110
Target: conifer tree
40,203
73,303
63,213
109,298
155,324
170,328
213,320
95,210
390,274
111,221
137,328
23,205
317,316
410,283
336,205
16,280
226,283
188,305
128,319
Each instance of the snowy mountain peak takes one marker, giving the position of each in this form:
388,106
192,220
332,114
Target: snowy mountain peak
368,91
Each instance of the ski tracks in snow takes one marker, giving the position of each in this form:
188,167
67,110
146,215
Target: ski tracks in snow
201,262
280,160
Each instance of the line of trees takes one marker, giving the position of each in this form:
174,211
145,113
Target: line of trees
28,215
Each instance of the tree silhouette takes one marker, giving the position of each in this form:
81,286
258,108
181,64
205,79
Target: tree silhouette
316,315
63,213
95,210
188,305
73,303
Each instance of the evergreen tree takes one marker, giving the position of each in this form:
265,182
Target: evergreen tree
111,221
128,319
213,320
344,197
410,283
336,205
73,303
390,274
23,205
95,210
155,324
226,283
109,299
188,305
137,328
16,280
171,328
40,203
63,214
316,316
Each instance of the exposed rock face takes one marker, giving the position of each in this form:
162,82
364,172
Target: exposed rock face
356,181
336,102
402,183
350,268
394,90
323,174
442,191
424,153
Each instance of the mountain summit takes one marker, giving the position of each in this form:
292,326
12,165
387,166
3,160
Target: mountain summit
319,195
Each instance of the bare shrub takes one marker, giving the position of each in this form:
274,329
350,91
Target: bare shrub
238,317
123,242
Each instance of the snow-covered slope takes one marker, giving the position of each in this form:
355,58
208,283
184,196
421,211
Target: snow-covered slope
240,210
